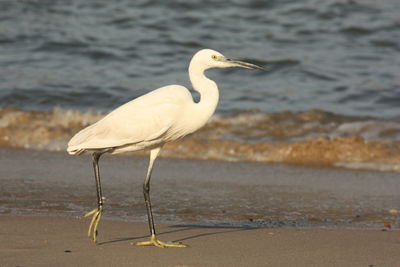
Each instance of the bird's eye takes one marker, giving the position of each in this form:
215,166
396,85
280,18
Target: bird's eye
214,57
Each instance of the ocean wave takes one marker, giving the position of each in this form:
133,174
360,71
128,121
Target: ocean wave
312,137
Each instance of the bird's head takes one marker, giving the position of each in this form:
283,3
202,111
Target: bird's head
207,58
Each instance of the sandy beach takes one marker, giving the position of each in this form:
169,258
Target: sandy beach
295,163
230,214
58,241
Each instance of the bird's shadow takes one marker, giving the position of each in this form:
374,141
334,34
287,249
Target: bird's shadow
225,230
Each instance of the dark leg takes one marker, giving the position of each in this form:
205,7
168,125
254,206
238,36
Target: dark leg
95,158
146,192
96,213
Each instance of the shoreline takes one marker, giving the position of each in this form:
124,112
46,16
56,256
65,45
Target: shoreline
308,138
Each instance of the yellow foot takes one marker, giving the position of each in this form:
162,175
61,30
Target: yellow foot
155,242
96,213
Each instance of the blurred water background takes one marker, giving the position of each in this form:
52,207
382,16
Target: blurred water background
333,82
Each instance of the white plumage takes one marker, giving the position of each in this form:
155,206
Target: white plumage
150,121
145,122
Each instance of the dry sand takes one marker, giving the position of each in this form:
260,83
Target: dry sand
58,241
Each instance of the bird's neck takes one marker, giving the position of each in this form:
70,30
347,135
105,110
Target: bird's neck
208,91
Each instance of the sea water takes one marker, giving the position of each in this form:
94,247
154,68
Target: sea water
332,82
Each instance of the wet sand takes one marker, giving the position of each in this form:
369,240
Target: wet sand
230,214
198,192
58,241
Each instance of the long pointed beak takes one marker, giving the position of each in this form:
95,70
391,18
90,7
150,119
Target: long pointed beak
238,63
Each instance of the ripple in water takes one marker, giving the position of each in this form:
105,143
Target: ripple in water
73,54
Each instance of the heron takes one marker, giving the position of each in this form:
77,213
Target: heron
150,121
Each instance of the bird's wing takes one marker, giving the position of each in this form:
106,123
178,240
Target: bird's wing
144,119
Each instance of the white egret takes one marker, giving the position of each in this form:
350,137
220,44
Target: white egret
150,121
